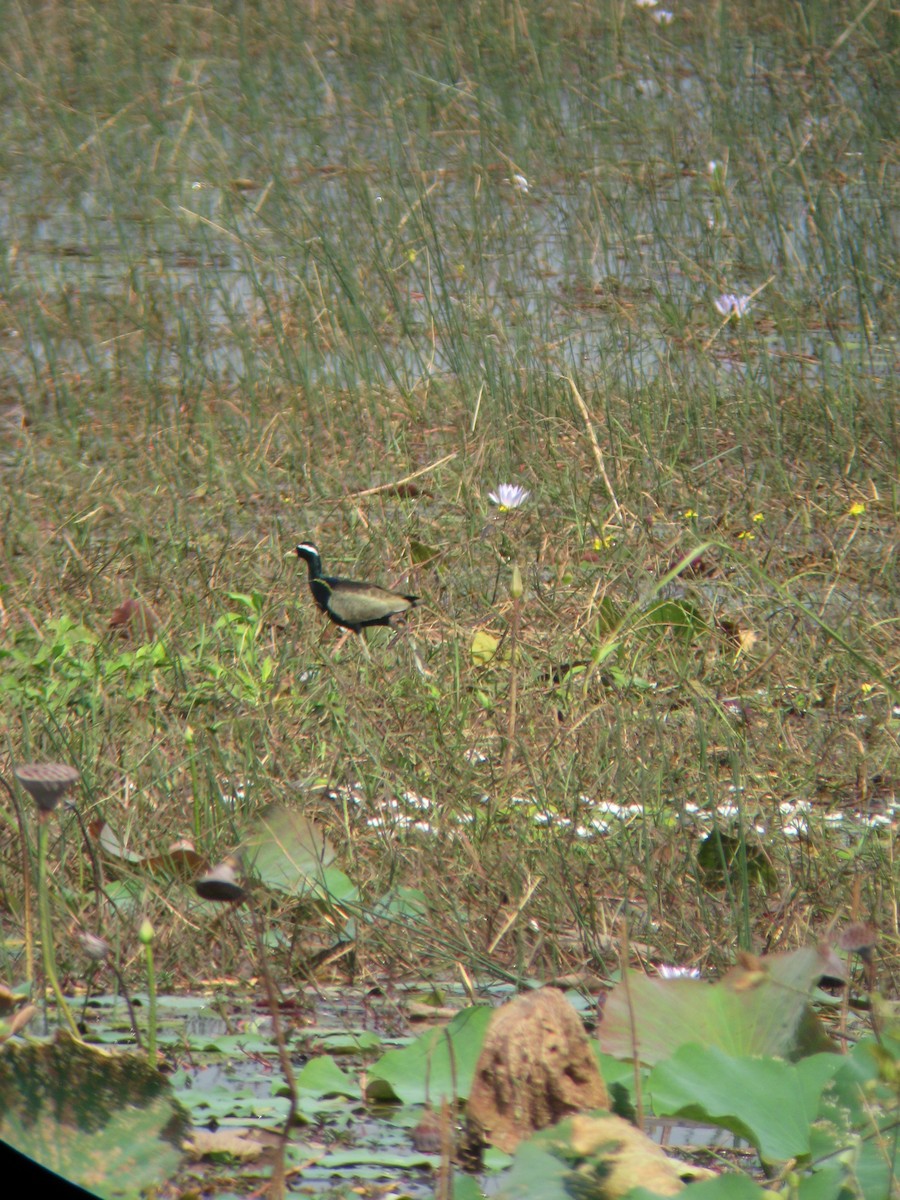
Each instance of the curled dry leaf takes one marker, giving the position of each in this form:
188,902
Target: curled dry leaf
180,859
135,619
18,1022
859,937
8,999
747,639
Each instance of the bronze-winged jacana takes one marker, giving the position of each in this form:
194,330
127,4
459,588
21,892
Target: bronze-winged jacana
349,602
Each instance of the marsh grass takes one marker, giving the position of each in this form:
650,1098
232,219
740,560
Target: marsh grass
261,264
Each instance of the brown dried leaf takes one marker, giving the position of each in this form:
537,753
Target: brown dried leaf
747,639
134,618
181,859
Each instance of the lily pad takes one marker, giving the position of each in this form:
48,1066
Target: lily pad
438,1065
106,1121
289,853
759,1008
703,1083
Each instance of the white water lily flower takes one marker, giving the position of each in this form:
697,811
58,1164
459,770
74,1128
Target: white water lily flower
730,305
509,496
678,972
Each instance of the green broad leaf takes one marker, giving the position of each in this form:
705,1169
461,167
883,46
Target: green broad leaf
421,552
345,1041
465,1187
681,616
769,1102
858,1122
484,647
618,1075
393,1160
402,906
725,1187
722,856
254,602
759,1010
336,887
827,1183
289,853
106,1121
608,616
438,1065
536,1174
321,1076
604,651
127,895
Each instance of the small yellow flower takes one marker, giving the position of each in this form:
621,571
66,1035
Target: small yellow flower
746,536
604,543
856,510
689,514
867,688
757,517
411,255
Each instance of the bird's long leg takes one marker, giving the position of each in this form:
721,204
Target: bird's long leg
398,625
342,637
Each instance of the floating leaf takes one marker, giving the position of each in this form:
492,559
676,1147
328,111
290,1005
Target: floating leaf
288,852
702,1083
321,1076
758,1008
427,1071
106,1121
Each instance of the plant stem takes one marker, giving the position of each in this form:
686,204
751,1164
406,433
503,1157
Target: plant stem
276,1186
145,934
513,685
46,927
26,880
151,1014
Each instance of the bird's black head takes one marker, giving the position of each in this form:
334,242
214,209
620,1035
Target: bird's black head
309,554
